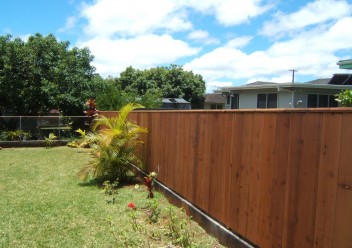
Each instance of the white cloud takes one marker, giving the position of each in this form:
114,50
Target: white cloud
70,23
202,36
140,52
334,38
312,53
140,33
133,17
229,12
143,34
214,85
317,12
234,12
239,42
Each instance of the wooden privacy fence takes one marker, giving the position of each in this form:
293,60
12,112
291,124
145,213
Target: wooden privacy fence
280,178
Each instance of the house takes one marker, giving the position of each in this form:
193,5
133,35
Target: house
214,101
312,94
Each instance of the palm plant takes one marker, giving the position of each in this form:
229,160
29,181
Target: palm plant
114,141
49,141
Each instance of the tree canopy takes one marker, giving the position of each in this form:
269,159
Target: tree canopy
109,95
173,81
42,74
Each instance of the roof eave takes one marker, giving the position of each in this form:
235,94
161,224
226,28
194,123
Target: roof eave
287,86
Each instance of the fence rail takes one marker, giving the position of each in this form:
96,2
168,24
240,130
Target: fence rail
280,178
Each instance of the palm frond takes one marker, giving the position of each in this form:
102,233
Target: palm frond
125,110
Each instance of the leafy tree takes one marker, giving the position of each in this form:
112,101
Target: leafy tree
43,74
110,95
107,93
173,82
13,68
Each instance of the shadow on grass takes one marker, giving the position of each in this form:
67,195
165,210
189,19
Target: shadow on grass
98,182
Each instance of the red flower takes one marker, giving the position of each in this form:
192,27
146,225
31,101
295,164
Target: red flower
131,206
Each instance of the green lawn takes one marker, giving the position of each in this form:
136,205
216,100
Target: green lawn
43,204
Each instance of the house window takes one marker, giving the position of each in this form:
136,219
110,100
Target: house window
312,101
235,101
272,101
321,101
332,102
216,106
267,100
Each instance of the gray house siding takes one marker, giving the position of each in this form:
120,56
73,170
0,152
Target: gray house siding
284,99
315,93
247,100
289,97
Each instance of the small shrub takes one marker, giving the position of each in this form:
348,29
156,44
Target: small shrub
110,190
81,142
154,212
14,135
49,141
178,229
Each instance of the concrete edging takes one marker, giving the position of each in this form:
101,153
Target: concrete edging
225,236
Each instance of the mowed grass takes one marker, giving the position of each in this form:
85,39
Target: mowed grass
43,204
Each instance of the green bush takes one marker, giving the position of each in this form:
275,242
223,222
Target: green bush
345,98
14,135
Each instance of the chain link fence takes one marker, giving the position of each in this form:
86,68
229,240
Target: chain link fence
38,127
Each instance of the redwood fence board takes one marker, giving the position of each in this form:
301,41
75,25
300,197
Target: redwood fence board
279,178
343,210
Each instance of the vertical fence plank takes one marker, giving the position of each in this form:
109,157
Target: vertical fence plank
327,180
225,140
279,181
246,160
218,139
187,148
301,189
264,191
295,150
227,161
154,158
255,174
235,172
343,214
203,165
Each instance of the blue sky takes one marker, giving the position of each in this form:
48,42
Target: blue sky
228,42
